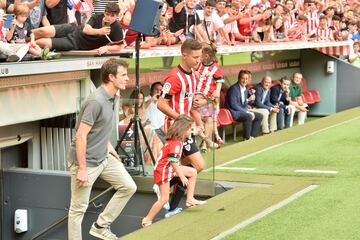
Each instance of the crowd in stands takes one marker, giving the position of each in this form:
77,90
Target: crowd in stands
89,24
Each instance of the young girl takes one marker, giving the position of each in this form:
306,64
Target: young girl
168,167
208,86
21,29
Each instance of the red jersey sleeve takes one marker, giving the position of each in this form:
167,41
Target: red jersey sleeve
172,85
218,76
175,150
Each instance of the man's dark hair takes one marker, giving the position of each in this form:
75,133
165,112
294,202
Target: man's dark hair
190,45
242,73
285,78
111,67
210,3
152,88
336,18
112,8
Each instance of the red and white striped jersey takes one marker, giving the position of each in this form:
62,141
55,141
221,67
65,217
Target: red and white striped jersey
324,34
313,21
179,88
170,152
209,76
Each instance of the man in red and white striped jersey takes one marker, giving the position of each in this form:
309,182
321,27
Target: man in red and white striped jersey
177,98
312,15
323,32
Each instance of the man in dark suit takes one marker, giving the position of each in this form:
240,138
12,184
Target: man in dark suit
237,101
263,105
279,95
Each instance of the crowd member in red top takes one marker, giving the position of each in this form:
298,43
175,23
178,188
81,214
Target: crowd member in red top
323,32
208,87
176,99
130,35
167,167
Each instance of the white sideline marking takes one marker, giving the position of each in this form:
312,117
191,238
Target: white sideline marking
280,144
315,171
265,212
236,168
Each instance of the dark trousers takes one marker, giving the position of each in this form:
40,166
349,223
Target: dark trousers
178,192
251,127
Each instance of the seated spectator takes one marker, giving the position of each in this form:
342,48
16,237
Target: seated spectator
14,52
354,57
21,29
263,106
103,32
237,103
323,32
280,96
296,100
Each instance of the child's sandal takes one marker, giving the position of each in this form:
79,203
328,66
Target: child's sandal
194,203
145,222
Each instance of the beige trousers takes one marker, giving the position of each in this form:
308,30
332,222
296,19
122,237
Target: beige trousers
265,121
112,171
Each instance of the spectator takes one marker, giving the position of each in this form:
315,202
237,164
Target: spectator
38,13
312,14
185,17
354,57
14,52
232,28
212,23
279,96
299,29
95,35
21,29
278,32
237,103
263,106
56,11
297,100
155,116
323,32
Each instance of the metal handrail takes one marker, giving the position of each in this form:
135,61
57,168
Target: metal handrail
50,227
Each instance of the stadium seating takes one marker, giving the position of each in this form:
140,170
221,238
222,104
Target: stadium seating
315,95
225,119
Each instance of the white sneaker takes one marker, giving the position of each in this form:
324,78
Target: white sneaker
173,212
157,191
102,233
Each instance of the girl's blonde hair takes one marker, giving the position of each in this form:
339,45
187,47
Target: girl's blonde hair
179,128
21,9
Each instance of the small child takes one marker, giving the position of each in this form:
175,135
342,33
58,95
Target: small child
21,29
167,167
209,87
